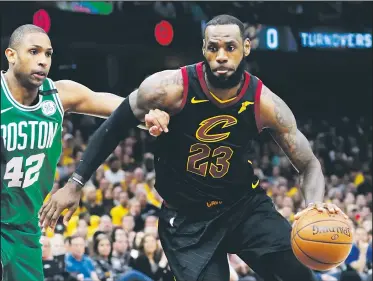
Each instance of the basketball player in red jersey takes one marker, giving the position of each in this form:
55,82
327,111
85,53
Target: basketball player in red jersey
213,201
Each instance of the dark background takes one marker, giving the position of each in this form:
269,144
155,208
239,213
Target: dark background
115,53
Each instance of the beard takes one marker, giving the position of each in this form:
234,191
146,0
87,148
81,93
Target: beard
224,82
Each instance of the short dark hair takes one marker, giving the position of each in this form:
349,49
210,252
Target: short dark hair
112,159
21,31
113,233
75,236
225,20
97,241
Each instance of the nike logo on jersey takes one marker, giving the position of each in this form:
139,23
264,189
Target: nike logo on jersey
6,109
244,105
197,101
254,185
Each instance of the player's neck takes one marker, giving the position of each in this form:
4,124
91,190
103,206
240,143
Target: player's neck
224,94
18,91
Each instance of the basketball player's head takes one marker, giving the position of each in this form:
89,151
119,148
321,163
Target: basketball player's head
225,49
29,55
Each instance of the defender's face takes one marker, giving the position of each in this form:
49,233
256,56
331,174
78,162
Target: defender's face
223,49
32,59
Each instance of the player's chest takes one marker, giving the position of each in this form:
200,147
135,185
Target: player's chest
29,132
211,125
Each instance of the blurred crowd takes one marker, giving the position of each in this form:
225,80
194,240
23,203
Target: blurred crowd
113,234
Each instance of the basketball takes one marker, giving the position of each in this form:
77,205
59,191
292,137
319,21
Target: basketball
321,241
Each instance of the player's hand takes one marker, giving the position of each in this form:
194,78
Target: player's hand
321,207
67,197
156,122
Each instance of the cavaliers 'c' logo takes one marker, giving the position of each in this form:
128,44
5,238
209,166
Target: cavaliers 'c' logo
202,134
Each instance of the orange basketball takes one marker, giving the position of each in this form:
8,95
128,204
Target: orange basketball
321,241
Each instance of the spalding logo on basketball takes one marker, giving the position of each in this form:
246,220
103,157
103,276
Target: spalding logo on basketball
321,241
48,108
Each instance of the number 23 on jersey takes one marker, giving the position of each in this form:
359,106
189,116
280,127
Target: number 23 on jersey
222,154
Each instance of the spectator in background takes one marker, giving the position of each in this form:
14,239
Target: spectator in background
90,201
102,258
99,174
57,245
107,200
151,261
105,225
115,174
121,258
117,232
151,225
137,240
139,175
119,211
358,259
147,208
128,223
117,189
82,229
53,269
118,151
77,263
135,212
104,184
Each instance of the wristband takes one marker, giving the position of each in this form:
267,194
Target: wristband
78,179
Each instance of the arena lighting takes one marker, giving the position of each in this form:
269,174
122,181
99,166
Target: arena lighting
42,19
164,33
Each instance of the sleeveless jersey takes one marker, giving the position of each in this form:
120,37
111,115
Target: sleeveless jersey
32,138
204,156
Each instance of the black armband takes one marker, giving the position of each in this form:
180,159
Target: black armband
105,140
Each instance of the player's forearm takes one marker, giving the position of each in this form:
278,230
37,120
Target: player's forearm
105,140
312,182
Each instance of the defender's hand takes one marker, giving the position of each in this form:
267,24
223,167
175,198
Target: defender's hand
157,121
321,207
67,197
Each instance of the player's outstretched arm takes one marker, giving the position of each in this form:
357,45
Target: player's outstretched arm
78,98
162,90
279,119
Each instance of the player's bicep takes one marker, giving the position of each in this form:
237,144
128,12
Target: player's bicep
162,90
78,98
279,119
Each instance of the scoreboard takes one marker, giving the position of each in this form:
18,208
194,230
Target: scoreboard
284,38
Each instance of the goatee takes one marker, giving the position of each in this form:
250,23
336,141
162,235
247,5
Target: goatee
221,82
